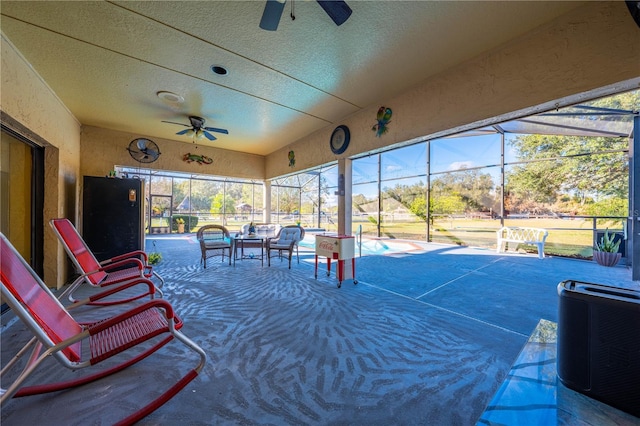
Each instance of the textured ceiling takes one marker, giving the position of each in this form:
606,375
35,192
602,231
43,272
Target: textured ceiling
107,60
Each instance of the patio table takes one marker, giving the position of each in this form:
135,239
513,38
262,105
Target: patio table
240,240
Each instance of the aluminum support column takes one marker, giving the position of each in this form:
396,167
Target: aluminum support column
266,201
633,255
344,193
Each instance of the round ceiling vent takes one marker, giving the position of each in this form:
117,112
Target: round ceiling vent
170,97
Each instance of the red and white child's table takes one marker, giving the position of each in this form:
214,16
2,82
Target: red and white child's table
337,247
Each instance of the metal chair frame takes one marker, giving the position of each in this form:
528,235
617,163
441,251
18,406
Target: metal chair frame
117,270
83,345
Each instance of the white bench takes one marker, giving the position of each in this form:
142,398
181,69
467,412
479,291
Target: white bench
524,235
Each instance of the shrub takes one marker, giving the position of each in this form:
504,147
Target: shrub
190,222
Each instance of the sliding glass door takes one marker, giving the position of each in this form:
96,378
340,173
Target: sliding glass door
22,196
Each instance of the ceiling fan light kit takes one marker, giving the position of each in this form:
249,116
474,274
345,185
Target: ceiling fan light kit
197,129
186,132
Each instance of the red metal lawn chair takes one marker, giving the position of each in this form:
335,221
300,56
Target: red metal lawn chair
82,345
117,270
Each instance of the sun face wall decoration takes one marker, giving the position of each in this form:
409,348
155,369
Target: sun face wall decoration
383,118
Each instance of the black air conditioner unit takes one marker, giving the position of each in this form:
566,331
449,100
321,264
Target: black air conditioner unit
599,343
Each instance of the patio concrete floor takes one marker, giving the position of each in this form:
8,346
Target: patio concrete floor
425,338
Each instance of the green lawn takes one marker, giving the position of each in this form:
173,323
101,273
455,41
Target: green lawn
567,237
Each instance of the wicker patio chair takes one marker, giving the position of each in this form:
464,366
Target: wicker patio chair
287,239
214,238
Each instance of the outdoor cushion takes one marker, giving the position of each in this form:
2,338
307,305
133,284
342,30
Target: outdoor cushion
287,236
286,240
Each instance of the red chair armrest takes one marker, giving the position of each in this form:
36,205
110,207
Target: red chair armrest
116,289
155,303
132,261
133,254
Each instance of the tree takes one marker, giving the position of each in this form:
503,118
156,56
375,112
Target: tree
454,192
474,188
202,193
539,182
412,197
589,165
357,201
608,207
419,207
288,199
221,204
252,195
406,194
583,167
448,204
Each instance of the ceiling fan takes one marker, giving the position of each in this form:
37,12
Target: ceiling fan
143,150
337,10
197,129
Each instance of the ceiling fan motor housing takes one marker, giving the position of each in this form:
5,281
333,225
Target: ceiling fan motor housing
196,122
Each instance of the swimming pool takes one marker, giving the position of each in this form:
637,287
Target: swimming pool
372,246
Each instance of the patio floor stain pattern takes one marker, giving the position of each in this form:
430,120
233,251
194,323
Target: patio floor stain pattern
285,348
293,350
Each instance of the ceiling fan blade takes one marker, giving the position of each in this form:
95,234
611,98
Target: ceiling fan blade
209,135
271,15
184,132
337,10
173,122
215,129
634,9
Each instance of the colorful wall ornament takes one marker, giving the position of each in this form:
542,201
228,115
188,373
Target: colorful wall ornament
292,159
200,159
383,118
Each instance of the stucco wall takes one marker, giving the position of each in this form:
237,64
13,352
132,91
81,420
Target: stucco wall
101,149
592,47
33,110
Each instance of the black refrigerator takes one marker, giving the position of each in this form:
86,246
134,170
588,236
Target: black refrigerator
112,215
